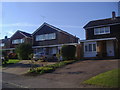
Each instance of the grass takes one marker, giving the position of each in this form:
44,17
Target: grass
50,68
107,79
11,61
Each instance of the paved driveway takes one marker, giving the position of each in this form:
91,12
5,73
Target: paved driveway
69,76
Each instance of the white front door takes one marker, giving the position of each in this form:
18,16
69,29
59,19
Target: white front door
110,48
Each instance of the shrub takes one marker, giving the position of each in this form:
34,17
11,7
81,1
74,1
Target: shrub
50,68
68,52
42,70
24,50
4,57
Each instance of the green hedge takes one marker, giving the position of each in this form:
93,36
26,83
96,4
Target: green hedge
68,52
24,50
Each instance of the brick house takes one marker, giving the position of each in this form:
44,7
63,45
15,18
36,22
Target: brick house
48,39
102,38
17,38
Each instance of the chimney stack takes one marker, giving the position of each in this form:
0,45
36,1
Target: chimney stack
5,37
113,15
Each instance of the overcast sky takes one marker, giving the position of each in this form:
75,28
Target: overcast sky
68,16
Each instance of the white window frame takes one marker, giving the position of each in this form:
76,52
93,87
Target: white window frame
2,44
88,49
49,36
18,41
101,28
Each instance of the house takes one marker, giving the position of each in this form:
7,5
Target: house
48,39
5,43
17,38
102,38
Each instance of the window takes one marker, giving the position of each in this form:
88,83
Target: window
102,30
94,47
2,44
86,48
90,47
17,41
45,37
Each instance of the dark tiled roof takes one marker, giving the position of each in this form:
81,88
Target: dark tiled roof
102,22
59,30
26,34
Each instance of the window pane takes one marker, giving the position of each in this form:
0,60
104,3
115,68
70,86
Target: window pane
46,37
90,47
94,47
97,30
102,30
107,30
86,48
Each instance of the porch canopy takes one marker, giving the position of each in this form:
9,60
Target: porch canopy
98,39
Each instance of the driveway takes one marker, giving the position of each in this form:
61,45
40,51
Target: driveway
69,76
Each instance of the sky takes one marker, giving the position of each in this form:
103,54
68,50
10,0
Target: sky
68,16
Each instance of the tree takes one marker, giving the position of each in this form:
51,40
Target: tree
68,52
24,50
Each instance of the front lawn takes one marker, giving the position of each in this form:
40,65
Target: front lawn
11,61
107,79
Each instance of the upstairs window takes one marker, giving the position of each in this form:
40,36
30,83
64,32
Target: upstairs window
18,41
46,37
2,44
101,30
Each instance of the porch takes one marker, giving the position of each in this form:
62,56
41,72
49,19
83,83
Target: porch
100,48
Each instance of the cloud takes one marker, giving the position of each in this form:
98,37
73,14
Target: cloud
19,24
35,25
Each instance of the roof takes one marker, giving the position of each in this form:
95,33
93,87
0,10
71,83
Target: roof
103,22
26,34
23,33
55,28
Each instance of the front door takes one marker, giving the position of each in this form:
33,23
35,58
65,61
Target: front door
110,48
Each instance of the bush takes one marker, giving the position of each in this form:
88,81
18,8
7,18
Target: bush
12,56
42,70
4,57
24,50
68,52
50,68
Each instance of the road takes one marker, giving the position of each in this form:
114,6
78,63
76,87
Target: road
69,76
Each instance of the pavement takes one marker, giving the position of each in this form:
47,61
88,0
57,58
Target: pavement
69,76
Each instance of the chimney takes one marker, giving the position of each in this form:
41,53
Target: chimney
113,15
5,37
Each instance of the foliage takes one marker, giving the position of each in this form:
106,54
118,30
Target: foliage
50,68
42,70
107,79
24,50
4,57
68,52
12,56
11,61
